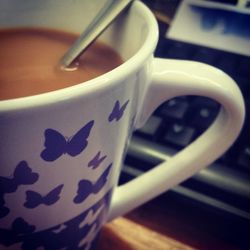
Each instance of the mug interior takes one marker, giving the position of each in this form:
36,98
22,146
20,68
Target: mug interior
133,35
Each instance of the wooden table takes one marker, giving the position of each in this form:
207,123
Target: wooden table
125,234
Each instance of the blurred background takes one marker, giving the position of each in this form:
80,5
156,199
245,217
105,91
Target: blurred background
217,199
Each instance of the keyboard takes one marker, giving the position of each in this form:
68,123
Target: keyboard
224,185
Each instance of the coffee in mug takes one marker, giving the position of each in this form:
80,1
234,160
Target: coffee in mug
30,58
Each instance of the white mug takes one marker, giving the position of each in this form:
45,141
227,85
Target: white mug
55,196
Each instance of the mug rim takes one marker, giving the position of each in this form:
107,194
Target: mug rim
105,80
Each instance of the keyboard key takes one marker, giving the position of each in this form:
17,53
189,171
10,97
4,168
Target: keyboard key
151,127
179,135
202,113
175,108
203,118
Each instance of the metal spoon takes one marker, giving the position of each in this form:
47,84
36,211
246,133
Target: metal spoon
105,16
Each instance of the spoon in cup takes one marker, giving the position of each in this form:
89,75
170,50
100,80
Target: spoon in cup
105,16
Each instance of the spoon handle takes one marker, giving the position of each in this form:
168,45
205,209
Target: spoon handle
105,16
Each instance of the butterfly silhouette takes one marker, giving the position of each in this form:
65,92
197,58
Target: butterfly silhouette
20,226
22,175
56,144
86,188
118,110
34,199
97,160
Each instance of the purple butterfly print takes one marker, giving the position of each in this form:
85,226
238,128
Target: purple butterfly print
34,199
68,234
118,110
97,160
86,188
56,144
22,175
20,226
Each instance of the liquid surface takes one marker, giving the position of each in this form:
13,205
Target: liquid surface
30,58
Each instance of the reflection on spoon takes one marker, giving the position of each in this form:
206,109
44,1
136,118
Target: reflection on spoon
72,67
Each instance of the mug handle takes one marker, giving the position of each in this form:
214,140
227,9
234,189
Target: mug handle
173,78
